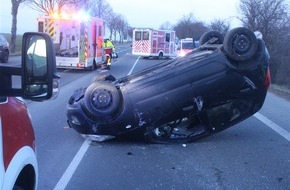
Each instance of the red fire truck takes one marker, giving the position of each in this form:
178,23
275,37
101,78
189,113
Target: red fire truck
153,43
78,39
18,163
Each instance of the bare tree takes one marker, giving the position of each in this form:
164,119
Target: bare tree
102,9
50,6
14,12
267,16
271,18
95,8
129,32
166,26
187,27
220,26
183,27
121,25
44,6
112,25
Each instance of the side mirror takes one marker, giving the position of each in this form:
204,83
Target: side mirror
39,75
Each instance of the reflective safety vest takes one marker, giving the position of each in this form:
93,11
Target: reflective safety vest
108,44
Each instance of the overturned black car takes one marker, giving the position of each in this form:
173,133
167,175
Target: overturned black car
219,84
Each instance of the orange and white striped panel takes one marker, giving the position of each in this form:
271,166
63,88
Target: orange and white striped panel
142,46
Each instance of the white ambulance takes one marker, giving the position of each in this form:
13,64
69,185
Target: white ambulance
39,81
78,39
154,43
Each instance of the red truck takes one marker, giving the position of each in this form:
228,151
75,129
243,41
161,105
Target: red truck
39,81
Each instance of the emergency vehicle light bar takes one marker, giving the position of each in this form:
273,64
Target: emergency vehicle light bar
75,16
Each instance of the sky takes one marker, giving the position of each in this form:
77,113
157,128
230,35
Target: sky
138,13
26,18
153,13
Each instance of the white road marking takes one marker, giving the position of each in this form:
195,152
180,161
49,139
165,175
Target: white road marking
273,126
130,72
62,183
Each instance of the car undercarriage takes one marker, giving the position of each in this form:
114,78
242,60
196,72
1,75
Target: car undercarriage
219,84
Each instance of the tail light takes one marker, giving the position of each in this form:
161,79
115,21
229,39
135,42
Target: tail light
268,78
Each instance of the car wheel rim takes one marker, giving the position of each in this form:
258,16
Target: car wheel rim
101,99
241,44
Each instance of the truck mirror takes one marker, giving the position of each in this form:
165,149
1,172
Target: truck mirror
39,78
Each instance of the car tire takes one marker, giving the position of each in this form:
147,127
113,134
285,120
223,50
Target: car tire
93,66
209,35
104,76
240,44
5,57
160,55
102,100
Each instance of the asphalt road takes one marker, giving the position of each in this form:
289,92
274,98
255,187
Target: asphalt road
254,154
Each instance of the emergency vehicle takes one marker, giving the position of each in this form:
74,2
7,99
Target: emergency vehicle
78,39
185,46
18,161
153,43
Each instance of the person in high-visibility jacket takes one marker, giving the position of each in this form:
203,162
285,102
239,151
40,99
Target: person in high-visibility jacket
108,44
109,48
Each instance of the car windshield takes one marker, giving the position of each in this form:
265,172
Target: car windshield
187,45
153,94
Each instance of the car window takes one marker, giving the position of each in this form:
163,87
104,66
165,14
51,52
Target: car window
1,40
137,35
145,35
188,45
